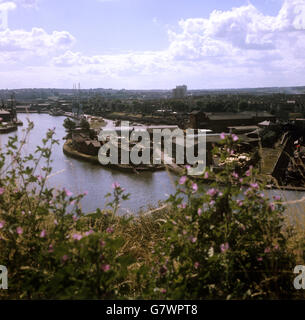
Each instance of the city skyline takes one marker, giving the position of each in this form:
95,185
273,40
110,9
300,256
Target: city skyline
135,44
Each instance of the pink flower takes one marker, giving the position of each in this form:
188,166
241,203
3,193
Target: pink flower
2,223
222,136
109,230
193,239
235,137
182,206
224,247
239,203
102,243
162,290
272,206
212,192
247,192
199,212
105,267
241,180
276,247
85,193
206,175
194,187
68,193
254,185
74,218
267,250
212,203
65,257
50,248
259,259
1,191
235,175
277,198
77,236
196,265
88,232
182,180
43,233
19,230
115,185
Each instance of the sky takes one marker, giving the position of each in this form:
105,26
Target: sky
152,44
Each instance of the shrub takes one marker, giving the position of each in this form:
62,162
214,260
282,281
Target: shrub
46,242
227,240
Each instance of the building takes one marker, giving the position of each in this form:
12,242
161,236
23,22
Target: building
84,144
23,109
222,121
180,92
5,116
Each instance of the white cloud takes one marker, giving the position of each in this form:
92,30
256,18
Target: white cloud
37,41
239,47
6,6
25,3
244,28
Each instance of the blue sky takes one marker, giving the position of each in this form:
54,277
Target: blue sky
152,44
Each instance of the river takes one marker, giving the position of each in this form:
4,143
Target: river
146,188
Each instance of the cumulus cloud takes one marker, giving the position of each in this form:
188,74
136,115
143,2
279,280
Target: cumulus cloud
227,49
241,37
123,64
6,6
36,41
24,3
245,28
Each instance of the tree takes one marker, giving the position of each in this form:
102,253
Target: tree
69,125
84,124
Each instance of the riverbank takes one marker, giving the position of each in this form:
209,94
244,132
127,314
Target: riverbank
177,170
8,129
70,151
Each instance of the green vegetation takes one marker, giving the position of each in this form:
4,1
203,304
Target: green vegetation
222,242
69,125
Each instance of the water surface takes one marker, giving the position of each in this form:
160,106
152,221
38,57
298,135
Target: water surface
78,176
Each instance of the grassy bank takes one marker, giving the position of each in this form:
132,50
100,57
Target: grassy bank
203,244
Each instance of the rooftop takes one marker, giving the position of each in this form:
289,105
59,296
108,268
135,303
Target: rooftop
4,112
